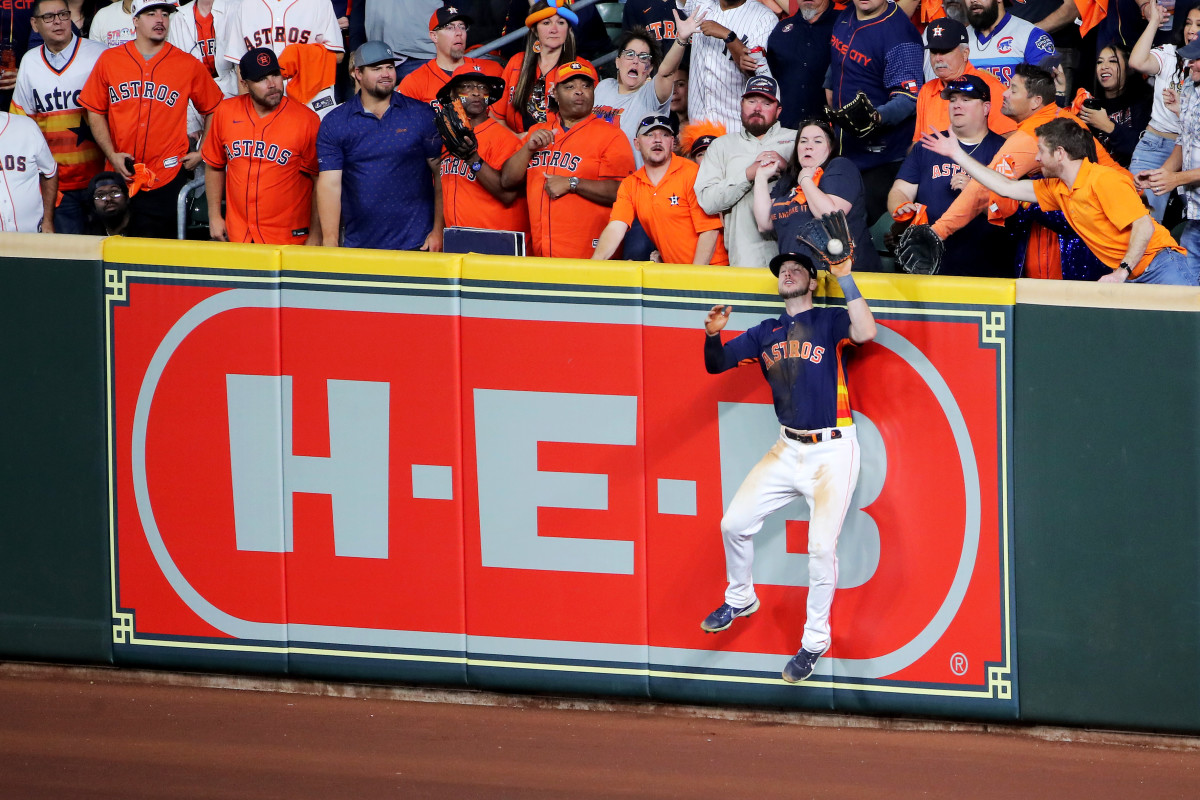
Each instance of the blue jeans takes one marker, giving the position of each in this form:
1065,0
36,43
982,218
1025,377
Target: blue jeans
70,216
414,64
1172,267
1152,152
1190,240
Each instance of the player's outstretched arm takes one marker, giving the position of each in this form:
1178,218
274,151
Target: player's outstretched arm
714,351
993,181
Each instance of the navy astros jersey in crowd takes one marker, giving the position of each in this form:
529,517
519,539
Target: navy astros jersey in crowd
980,249
879,57
801,358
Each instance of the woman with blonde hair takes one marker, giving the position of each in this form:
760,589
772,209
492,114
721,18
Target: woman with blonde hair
549,44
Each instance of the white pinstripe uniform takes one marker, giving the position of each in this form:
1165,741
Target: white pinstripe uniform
715,84
24,158
278,23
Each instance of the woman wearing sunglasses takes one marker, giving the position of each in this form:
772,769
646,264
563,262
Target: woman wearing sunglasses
632,95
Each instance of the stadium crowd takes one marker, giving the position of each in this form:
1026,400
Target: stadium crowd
1041,138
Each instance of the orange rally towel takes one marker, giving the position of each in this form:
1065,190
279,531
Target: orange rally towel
918,217
308,69
142,176
1091,14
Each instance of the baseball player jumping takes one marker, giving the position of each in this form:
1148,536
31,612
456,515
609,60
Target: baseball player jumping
817,456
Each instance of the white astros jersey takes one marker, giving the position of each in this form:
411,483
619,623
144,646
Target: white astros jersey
50,96
278,23
112,26
24,158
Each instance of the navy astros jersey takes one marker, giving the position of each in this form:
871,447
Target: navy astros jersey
801,358
980,249
880,57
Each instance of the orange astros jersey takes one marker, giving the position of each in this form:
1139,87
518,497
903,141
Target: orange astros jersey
424,82
465,203
146,103
592,149
270,163
670,212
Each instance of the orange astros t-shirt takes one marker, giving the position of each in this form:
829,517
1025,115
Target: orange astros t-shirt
146,103
591,149
465,202
269,165
669,212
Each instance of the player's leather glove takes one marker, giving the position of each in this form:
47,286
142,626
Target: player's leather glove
455,128
920,251
858,116
829,239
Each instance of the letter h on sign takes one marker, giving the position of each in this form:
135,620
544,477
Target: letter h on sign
266,473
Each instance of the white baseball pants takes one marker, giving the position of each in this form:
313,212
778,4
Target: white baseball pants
825,474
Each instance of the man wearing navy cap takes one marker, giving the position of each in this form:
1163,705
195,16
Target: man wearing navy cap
930,182
661,195
725,180
378,154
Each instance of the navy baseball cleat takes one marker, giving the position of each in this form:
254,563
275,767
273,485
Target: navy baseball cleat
724,616
801,666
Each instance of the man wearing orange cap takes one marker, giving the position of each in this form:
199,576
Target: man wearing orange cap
472,195
448,28
571,168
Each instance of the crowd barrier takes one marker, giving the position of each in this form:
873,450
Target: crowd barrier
509,474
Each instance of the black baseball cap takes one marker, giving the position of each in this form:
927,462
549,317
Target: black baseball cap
946,34
655,121
801,259
972,86
258,63
764,85
447,14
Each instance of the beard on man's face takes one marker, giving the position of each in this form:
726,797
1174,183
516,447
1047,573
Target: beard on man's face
984,17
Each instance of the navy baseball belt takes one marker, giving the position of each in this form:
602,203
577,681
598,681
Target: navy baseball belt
812,438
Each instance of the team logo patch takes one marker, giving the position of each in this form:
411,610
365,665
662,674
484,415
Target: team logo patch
1045,44
787,27
674,199
1005,45
322,102
264,60
938,30
452,10
576,65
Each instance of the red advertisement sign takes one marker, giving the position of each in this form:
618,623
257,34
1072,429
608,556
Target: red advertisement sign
521,483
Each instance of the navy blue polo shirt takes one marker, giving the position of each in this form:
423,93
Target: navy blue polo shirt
798,54
980,249
387,186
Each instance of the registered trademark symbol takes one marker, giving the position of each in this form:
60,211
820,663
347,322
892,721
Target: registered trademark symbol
958,664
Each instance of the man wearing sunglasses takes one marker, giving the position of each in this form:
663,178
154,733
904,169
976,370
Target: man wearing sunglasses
47,91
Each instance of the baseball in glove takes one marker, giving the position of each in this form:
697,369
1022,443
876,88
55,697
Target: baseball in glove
829,239
455,128
920,251
858,116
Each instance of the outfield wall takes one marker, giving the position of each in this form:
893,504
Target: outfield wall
509,474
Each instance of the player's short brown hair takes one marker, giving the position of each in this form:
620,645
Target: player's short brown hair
1074,139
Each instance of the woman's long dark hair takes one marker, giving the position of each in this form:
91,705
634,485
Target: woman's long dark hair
1122,59
791,173
528,76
